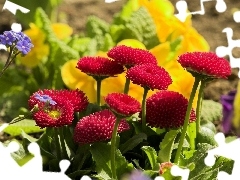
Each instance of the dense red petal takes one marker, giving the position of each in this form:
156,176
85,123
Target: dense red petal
76,97
99,66
206,63
128,56
123,104
97,127
167,109
43,116
149,75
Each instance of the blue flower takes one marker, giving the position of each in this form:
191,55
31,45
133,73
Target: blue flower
227,102
23,46
45,99
17,41
7,38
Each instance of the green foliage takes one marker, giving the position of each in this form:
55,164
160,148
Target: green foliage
211,111
48,5
132,142
100,153
140,26
199,169
28,126
166,146
152,156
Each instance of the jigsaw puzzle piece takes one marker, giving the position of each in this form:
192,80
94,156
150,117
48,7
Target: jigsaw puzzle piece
12,7
182,8
236,16
222,51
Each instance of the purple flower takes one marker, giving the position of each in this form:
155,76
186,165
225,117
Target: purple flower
17,40
227,103
137,175
7,38
45,99
23,46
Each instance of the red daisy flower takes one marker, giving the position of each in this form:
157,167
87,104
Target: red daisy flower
123,104
99,66
56,115
128,56
76,97
205,63
97,127
149,75
167,109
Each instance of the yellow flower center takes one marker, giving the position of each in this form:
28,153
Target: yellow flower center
54,114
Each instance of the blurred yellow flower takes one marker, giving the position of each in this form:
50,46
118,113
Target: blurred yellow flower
73,78
61,30
41,49
162,12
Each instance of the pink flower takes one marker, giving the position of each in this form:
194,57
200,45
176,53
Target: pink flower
97,127
123,104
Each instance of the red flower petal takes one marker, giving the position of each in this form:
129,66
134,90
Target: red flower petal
97,127
99,66
206,63
55,115
76,97
149,75
128,56
123,104
167,109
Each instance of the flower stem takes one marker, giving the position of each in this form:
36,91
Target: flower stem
126,87
63,146
144,109
186,121
57,144
199,106
99,82
9,61
113,149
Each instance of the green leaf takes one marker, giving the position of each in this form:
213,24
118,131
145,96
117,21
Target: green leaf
211,110
206,135
28,126
196,159
60,52
209,125
45,142
100,153
97,28
166,146
141,26
126,12
132,142
28,137
152,156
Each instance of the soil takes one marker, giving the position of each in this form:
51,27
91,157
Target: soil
210,25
